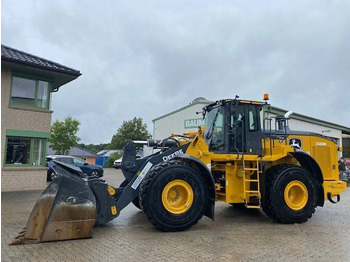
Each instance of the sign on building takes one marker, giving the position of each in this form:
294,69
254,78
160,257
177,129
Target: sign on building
193,123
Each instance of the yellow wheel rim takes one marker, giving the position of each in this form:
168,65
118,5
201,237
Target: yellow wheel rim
296,195
177,196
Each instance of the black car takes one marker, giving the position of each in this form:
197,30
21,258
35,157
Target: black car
90,170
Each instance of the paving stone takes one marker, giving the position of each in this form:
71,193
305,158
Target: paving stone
235,235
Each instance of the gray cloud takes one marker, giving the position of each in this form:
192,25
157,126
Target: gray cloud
147,58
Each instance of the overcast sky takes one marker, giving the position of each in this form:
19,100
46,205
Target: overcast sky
147,58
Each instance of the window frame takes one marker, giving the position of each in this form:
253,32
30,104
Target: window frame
36,91
32,135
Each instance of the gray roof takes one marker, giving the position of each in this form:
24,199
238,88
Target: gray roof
280,111
13,55
107,152
198,100
74,151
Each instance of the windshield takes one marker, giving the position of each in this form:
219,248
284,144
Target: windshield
78,161
214,130
209,122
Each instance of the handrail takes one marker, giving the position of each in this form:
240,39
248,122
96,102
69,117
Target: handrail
235,138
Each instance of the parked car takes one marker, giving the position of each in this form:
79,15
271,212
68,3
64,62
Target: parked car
118,163
344,170
345,175
90,170
347,162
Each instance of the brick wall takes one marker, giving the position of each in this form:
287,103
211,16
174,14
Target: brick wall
23,179
20,119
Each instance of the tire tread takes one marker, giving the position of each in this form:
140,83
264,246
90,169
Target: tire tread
145,189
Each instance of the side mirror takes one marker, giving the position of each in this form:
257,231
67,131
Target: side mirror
86,163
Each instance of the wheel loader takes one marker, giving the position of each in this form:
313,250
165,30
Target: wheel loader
236,158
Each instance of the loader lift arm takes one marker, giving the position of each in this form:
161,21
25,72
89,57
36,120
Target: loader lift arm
93,199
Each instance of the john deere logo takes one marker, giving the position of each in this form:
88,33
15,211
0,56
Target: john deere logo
295,142
71,200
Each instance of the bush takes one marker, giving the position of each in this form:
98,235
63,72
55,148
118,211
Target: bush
112,158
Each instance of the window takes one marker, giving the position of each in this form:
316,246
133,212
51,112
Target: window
39,145
78,161
25,151
66,160
217,136
18,151
253,120
30,92
237,138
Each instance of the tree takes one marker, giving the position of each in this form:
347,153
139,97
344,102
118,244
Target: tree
63,135
132,129
112,158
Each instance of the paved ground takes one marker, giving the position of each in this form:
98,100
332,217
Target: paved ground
236,235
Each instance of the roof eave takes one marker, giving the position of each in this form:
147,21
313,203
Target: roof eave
60,78
277,110
182,108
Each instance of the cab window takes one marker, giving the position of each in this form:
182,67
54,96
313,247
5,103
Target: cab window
218,134
253,120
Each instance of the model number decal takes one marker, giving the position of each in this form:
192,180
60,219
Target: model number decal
171,156
141,175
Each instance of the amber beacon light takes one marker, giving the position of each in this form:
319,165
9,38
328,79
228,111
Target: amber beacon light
266,97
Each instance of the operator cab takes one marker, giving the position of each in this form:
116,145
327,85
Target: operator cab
233,126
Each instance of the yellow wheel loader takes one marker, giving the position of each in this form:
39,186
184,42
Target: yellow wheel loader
237,158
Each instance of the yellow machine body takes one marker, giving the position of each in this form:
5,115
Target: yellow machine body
275,152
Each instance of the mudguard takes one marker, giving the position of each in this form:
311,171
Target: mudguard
208,178
306,161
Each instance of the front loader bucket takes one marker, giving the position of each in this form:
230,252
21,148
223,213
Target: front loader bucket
65,210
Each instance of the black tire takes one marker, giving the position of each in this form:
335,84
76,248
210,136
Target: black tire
136,202
274,204
94,173
151,191
266,200
51,175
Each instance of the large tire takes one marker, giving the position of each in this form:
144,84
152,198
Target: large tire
173,196
136,202
266,199
290,194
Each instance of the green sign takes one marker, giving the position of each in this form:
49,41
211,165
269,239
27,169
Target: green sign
193,123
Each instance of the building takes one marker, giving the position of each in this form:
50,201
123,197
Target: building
27,82
181,120
78,152
103,155
188,118
346,146
310,124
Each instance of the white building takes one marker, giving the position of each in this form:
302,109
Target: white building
188,118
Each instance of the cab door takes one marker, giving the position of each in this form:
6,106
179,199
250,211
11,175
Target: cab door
244,131
253,129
